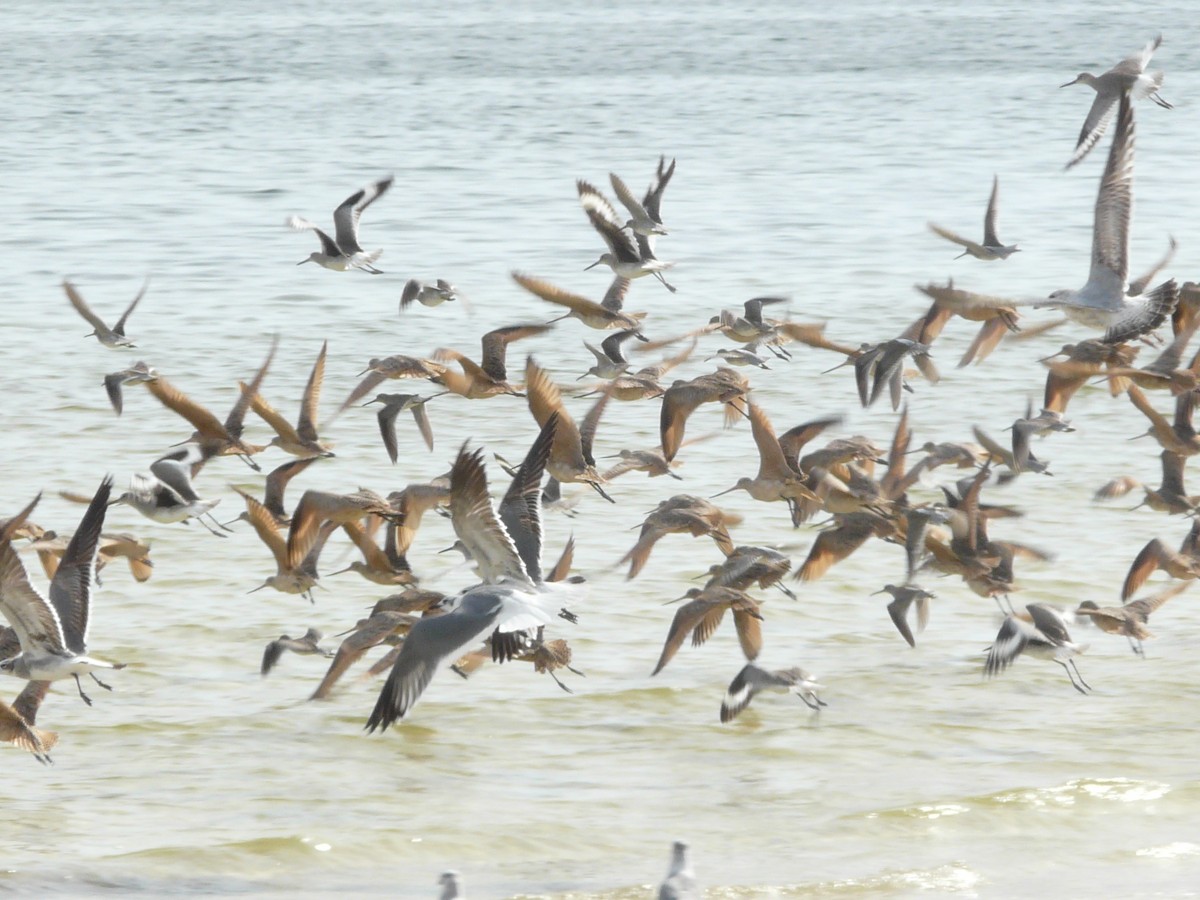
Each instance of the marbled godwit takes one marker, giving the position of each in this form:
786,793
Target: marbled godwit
1130,619
277,482
490,377
748,566
681,514
379,565
571,460
296,568
1170,497
752,680
600,316
683,397
214,437
317,507
652,462
385,626
343,251
1184,564
703,614
775,479
301,441
17,722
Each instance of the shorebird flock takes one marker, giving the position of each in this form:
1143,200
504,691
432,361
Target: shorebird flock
526,604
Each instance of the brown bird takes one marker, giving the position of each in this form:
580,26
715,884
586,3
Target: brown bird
748,566
379,565
652,462
213,436
17,721
547,656
1178,435
295,567
1170,497
412,503
835,544
318,507
490,377
704,613
1183,565
571,460
601,316
277,482
683,397
382,627
51,546
379,370
775,479
301,441
681,514
1130,619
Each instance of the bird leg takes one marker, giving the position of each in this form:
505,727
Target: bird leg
86,698
248,461
786,590
670,287
1076,668
558,682
96,678
599,490
209,527
565,613
1075,685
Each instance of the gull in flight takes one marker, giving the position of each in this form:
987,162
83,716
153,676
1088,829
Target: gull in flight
53,633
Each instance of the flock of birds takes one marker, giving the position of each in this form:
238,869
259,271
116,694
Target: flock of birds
521,597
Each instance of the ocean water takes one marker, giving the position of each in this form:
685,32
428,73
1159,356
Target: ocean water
813,142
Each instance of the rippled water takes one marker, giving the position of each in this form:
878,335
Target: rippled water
814,142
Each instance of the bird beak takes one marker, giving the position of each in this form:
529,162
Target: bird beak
592,266
303,261
729,490
259,588
599,490
340,571
1069,83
